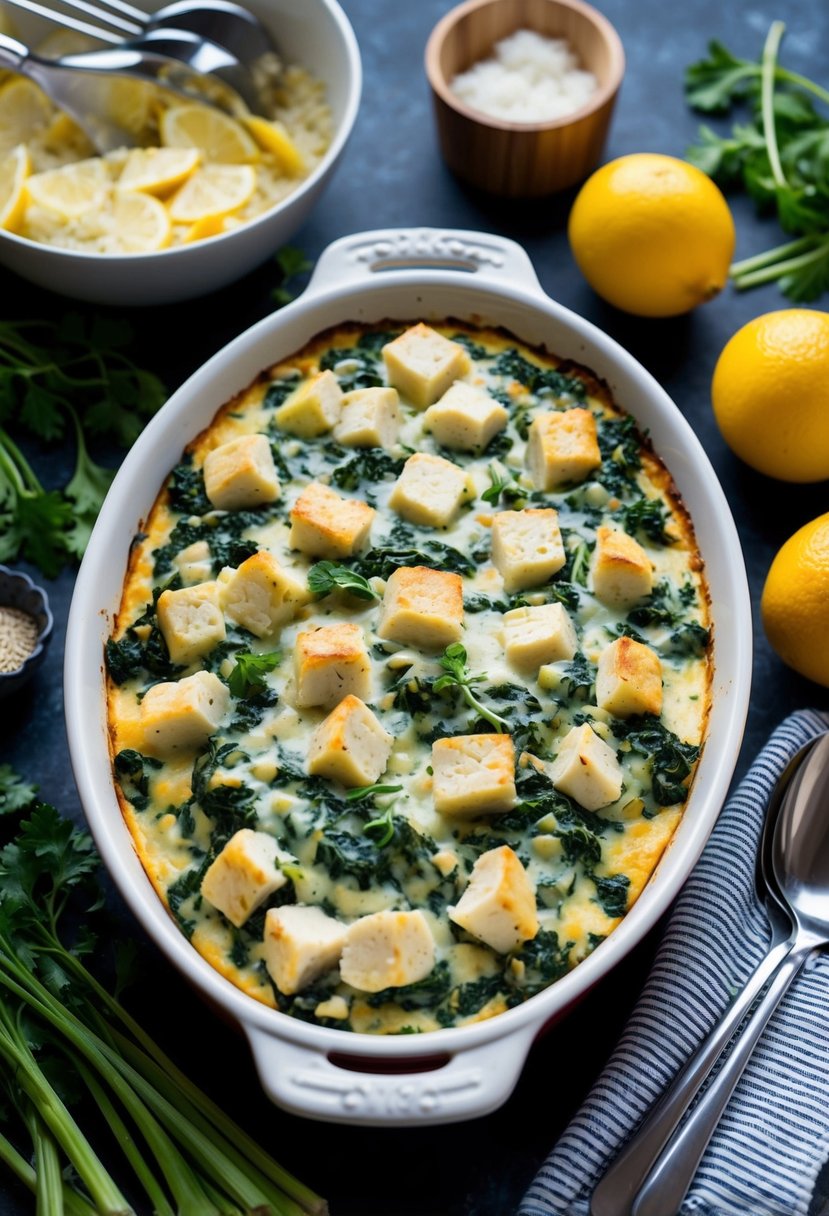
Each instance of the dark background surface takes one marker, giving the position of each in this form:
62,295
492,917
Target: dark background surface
392,174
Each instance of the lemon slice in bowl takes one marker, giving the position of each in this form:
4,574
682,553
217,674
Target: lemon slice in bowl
157,171
213,191
125,222
140,223
272,137
25,111
218,136
14,169
71,190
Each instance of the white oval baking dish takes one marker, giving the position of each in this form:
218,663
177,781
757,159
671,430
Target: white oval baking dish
452,1074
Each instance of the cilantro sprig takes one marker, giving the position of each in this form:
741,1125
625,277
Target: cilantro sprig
453,661
64,381
779,156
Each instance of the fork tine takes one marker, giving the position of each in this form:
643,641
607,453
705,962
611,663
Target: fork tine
92,10
68,22
128,10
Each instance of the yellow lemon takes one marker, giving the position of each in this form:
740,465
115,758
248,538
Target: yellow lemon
795,603
157,170
71,190
25,111
770,394
14,169
273,138
652,235
213,190
218,136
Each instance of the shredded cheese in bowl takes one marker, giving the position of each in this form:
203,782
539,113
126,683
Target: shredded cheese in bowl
528,79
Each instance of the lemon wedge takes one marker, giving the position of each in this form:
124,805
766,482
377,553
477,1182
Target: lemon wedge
213,191
157,171
210,225
218,136
14,169
272,137
25,111
72,189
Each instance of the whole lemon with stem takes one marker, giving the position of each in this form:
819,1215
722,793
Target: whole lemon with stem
795,602
770,394
652,235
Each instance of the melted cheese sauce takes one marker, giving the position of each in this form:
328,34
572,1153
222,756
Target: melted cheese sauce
587,867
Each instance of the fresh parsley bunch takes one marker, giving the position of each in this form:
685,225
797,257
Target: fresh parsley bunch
780,155
60,382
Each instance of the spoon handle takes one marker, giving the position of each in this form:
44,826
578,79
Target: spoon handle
668,1182
616,1191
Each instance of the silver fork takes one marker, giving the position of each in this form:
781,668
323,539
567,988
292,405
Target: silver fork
223,22
177,59
73,81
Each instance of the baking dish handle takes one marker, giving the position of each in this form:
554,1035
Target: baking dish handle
305,1081
488,257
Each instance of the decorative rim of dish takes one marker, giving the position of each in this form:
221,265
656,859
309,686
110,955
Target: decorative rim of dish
313,179
602,95
35,602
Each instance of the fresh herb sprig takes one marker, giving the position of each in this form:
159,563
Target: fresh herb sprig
60,380
779,156
248,676
325,577
453,661
381,828
370,791
188,1155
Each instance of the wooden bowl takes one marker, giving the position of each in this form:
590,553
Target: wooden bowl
522,159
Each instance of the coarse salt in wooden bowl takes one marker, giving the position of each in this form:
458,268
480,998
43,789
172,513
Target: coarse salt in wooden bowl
525,159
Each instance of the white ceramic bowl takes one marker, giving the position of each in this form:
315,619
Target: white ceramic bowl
313,33
450,1074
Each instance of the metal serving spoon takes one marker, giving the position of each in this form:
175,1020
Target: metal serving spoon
793,882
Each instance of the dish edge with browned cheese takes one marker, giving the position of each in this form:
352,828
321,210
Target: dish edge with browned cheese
292,1057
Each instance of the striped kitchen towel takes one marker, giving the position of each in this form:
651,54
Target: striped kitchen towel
767,1152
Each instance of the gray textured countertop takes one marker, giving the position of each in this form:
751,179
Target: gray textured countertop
392,175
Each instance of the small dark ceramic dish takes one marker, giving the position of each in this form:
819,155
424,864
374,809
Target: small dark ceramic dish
18,591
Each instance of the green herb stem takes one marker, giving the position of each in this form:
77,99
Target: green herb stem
489,715
802,82
73,1203
195,1104
48,1180
17,468
119,1129
105,1194
180,1178
769,256
767,77
775,270
216,1125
